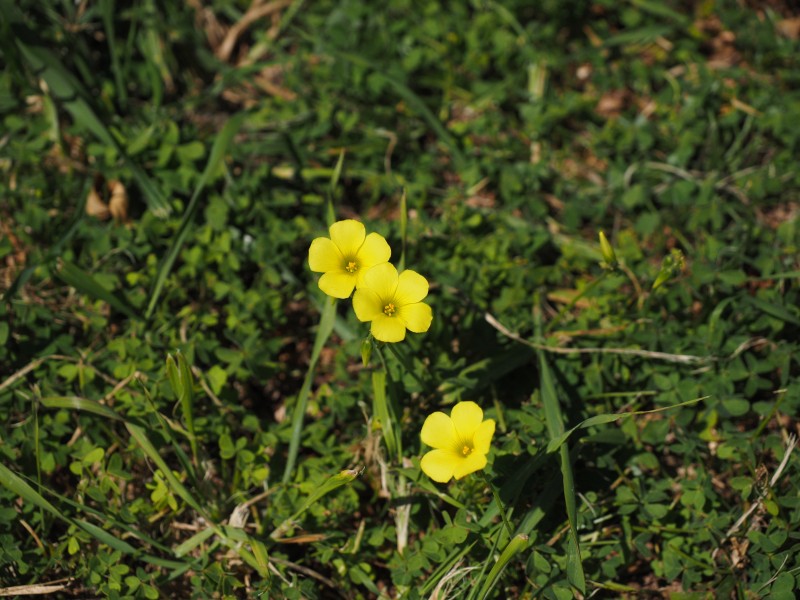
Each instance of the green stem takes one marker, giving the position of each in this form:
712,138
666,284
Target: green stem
501,507
323,333
405,364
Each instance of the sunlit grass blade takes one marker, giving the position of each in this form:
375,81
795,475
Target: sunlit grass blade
182,382
193,542
451,561
107,10
215,160
324,331
382,412
556,442
516,545
86,284
401,264
326,487
147,447
330,215
82,404
20,487
555,428
16,485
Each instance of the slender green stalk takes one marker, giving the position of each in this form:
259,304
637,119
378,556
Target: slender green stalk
500,507
405,363
401,264
555,427
323,333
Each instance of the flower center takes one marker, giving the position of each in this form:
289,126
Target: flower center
466,450
351,267
389,310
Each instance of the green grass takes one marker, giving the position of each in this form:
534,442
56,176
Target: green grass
184,414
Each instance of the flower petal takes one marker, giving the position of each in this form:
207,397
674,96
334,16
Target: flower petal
411,287
367,305
388,329
324,256
483,436
374,251
440,464
467,417
338,284
469,464
348,235
417,317
382,279
438,432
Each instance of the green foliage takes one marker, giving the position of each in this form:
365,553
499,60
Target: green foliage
185,415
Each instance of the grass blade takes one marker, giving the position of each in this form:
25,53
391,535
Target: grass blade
326,487
86,284
382,411
555,428
182,382
401,264
147,446
72,95
215,159
412,99
83,404
516,545
324,331
18,486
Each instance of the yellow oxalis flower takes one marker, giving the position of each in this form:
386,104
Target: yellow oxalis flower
460,441
346,257
393,303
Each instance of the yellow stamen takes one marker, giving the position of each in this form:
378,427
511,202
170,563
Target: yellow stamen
351,267
466,450
389,310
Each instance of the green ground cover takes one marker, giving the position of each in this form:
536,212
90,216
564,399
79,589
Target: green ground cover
185,414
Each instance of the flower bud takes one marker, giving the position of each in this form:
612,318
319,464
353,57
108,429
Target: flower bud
609,256
366,350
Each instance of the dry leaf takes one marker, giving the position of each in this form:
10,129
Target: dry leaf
789,28
118,205
95,207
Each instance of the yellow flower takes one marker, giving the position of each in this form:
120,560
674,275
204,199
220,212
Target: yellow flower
460,441
393,303
346,257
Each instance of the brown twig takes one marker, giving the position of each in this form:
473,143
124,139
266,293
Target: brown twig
686,359
254,13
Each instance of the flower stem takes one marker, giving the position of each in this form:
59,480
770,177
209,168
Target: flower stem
500,507
405,364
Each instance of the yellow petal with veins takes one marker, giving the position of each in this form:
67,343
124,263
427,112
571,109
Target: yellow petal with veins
439,465
417,317
467,417
388,329
348,235
438,432
411,287
483,436
324,256
338,284
367,305
382,279
469,464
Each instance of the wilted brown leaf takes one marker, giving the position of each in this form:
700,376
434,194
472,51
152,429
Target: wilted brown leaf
789,28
